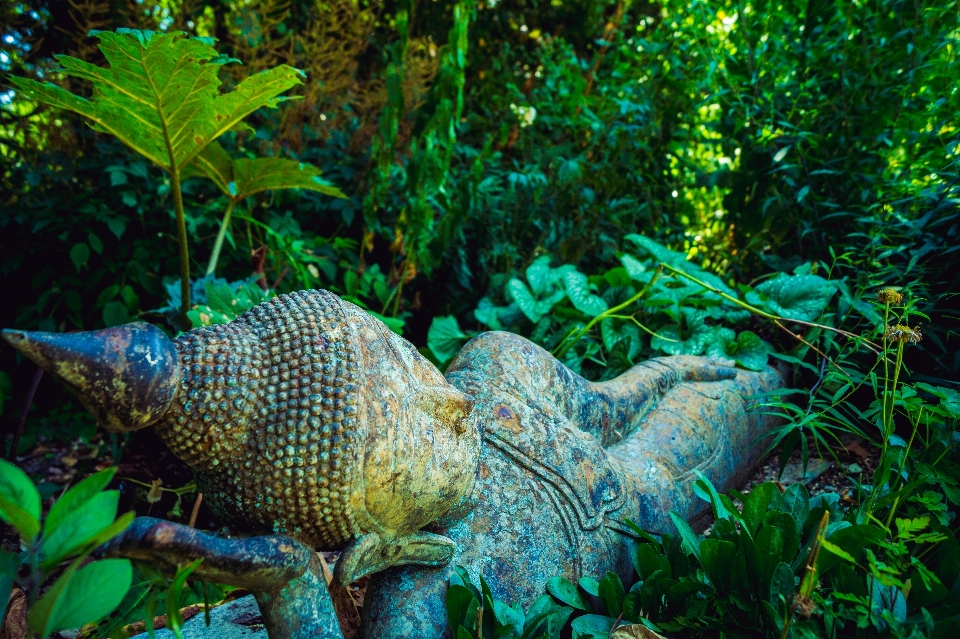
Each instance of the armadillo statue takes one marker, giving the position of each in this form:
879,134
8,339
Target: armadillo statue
312,426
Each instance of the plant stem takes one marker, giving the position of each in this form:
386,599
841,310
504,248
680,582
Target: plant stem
218,244
574,336
886,366
776,318
182,240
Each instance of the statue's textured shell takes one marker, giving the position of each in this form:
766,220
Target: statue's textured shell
267,414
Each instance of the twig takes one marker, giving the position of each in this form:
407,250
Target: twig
196,509
574,336
12,453
775,318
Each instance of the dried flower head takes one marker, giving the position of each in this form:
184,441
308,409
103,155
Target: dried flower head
804,606
901,333
889,296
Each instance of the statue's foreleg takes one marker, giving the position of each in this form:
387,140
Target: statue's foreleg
285,576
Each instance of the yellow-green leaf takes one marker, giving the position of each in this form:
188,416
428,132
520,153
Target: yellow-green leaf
160,94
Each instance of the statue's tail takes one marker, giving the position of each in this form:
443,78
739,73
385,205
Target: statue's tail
127,376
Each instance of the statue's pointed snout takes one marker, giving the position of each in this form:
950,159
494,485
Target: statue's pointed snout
127,376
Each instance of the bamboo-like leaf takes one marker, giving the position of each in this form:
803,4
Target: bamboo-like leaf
160,95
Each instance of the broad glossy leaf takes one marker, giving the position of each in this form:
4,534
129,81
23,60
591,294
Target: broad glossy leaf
801,297
76,498
540,275
567,592
679,261
79,527
750,351
611,593
756,504
445,338
649,560
508,616
795,502
717,559
458,601
81,596
597,626
783,585
19,500
520,294
769,542
161,87
578,290
590,585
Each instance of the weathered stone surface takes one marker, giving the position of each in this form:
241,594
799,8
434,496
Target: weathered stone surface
308,417
229,621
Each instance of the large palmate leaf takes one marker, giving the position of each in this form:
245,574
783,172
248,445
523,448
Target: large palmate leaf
241,178
160,95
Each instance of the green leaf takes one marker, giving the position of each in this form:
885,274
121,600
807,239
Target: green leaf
590,585
79,255
838,551
9,565
597,626
567,592
268,174
158,90
508,616
81,596
76,498
756,505
445,338
541,278
578,290
520,294
649,560
717,559
115,313
850,541
19,500
690,539
801,297
750,351
241,178
458,601
175,593
635,268
769,543
782,585
679,261
795,502
79,527
611,593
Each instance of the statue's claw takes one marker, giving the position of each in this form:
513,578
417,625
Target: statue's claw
370,554
285,576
